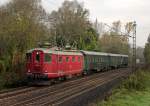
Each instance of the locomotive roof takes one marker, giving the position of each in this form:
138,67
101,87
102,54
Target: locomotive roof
45,50
102,53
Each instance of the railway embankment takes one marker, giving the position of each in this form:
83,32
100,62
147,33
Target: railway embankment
134,91
100,91
72,93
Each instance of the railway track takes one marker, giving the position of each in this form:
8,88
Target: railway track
58,102
53,99
19,91
59,97
55,94
16,91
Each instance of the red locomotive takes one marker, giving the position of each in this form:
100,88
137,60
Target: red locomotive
49,64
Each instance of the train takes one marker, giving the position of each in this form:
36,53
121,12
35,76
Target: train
47,64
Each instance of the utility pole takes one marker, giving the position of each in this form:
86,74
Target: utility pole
134,47
133,36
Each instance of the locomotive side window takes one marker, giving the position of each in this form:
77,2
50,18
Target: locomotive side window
47,58
60,59
67,59
73,59
28,56
37,57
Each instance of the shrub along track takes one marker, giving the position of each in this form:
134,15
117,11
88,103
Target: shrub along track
58,93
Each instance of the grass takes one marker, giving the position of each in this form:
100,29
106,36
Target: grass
135,91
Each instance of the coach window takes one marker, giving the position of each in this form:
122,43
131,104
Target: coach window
88,59
47,58
67,59
73,59
60,59
91,59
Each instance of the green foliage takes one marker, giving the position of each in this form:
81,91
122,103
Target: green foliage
71,26
114,41
24,23
136,81
11,79
20,29
147,52
140,54
89,41
135,91
114,44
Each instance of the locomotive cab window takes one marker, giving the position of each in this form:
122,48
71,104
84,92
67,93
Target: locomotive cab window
47,58
37,58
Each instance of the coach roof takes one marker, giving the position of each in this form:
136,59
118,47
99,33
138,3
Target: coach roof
102,53
94,53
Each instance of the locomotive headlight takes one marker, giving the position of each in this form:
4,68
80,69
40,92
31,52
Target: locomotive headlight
46,71
29,70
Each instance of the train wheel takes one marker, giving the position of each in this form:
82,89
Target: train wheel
69,76
86,72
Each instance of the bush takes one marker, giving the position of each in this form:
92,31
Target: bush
137,81
11,79
2,66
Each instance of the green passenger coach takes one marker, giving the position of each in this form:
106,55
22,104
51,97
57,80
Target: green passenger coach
98,61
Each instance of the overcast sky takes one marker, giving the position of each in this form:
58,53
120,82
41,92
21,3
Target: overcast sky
112,10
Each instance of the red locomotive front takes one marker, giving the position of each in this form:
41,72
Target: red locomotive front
48,64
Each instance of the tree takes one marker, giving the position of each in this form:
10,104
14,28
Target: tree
129,27
22,26
113,41
70,24
140,54
147,51
116,27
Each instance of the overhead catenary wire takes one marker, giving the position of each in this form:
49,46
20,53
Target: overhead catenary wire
122,33
133,36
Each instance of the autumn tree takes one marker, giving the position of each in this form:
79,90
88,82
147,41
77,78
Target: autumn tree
70,25
22,26
116,28
114,41
140,54
129,27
